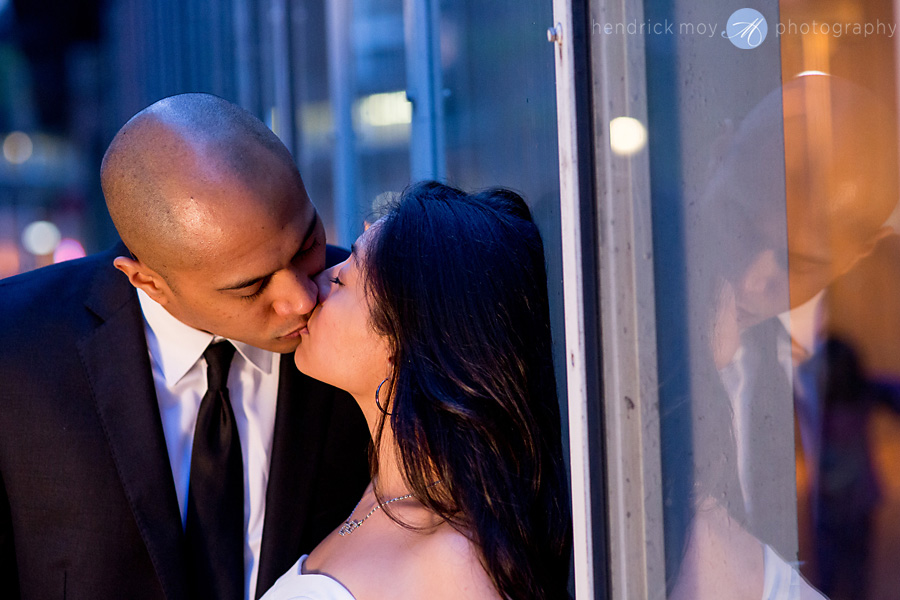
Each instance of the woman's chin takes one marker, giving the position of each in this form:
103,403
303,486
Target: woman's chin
313,369
301,362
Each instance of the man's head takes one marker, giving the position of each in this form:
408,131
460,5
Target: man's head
784,239
214,212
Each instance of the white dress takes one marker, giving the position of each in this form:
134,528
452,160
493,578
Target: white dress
297,585
783,581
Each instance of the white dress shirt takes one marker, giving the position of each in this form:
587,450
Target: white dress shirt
179,374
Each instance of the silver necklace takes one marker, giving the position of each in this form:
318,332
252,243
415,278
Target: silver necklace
351,524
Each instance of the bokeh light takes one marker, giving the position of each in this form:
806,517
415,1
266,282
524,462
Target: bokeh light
17,147
384,110
9,259
68,249
41,238
627,136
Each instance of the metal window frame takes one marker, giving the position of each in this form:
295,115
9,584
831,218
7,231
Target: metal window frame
610,307
424,88
341,78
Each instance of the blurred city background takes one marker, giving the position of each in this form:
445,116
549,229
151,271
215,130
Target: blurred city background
335,80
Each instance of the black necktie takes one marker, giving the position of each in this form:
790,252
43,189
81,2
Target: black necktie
215,511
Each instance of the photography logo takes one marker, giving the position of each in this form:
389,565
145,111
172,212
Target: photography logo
746,28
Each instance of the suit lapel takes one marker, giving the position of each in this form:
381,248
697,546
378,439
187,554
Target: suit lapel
118,367
295,454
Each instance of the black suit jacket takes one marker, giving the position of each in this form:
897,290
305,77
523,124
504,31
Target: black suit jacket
87,501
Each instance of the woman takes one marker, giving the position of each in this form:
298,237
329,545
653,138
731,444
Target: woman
438,325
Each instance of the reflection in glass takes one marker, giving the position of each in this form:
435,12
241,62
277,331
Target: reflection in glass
796,195
845,365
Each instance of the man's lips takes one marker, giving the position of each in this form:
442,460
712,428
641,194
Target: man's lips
295,333
303,328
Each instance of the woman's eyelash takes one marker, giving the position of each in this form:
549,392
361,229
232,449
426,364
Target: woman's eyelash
335,280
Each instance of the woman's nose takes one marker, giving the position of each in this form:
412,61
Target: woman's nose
324,283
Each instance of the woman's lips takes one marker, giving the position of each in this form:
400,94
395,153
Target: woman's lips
303,329
295,333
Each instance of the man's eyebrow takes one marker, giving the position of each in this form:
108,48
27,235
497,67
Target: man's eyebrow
253,280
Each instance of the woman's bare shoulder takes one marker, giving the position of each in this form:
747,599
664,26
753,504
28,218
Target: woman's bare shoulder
435,562
448,565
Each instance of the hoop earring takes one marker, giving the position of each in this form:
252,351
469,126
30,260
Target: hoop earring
377,403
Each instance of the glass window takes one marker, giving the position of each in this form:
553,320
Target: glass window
428,89
773,173
499,118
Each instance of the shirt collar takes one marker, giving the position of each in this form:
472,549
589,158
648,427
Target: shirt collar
176,347
804,323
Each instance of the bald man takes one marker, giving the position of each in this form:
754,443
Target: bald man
103,371
800,197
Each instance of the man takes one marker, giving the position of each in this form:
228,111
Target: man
110,484
781,242
798,196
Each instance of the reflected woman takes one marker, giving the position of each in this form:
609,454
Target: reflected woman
799,196
438,325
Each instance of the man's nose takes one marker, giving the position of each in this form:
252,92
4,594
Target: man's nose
297,294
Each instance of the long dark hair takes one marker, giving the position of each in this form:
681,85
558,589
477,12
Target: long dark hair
457,285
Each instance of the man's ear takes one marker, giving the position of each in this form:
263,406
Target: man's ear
144,278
